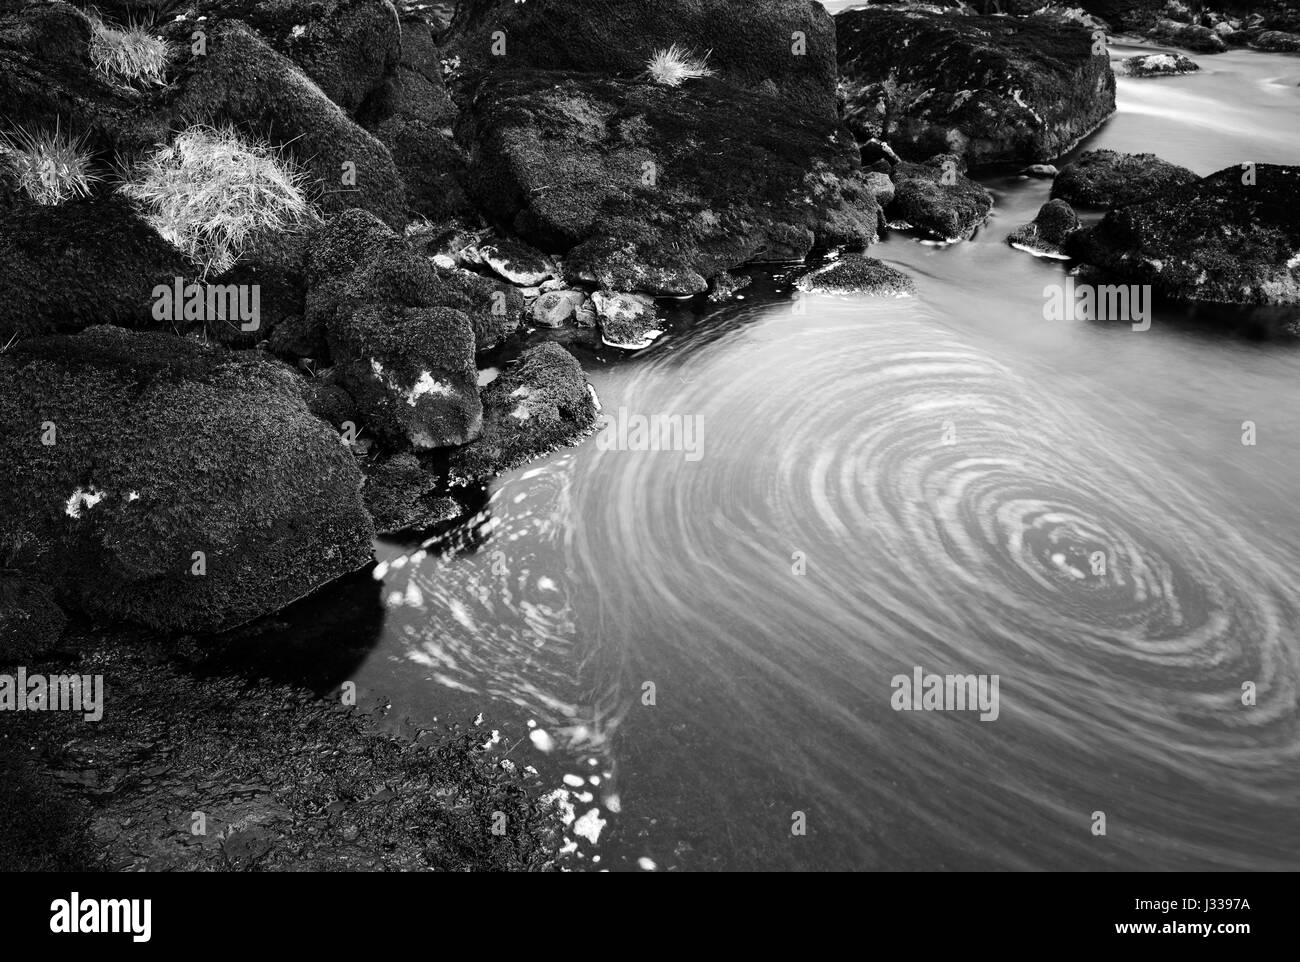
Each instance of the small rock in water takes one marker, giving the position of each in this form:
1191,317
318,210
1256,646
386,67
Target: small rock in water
626,320
1045,171
1160,65
857,274
553,308
1044,237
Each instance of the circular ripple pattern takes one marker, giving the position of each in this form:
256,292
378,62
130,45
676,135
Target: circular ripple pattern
950,515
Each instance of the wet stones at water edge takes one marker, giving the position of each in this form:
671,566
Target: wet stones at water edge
937,198
1107,178
857,274
1046,235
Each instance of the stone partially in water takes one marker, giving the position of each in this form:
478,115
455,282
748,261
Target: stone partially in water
1218,239
992,89
1160,65
1045,236
626,320
938,198
543,402
857,274
1107,178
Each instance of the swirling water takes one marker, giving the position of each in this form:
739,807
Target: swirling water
947,481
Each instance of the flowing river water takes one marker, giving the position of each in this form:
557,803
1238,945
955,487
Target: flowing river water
704,640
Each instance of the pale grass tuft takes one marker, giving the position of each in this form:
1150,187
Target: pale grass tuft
130,53
212,193
673,66
50,168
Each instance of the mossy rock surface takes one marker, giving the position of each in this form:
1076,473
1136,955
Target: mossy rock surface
1107,178
541,403
781,49
992,89
1218,240
649,188
937,198
162,448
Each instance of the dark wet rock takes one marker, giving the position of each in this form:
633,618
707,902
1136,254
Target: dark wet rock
755,46
938,198
1041,171
345,46
164,448
1190,36
726,286
553,308
626,320
541,403
404,355
1276,41
1008,90
412,114
31,623
1107,178
649,188
295,338
1218,240
857,274
401,494
243,81
1159,65
330,402
1047,232
83,262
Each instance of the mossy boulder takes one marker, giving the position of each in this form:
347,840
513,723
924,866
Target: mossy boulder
83,262
1277,41
401,494
541,403
857,274
937,198
1229,238
241,80
993,89
186,487
346,46
783,50
1188,35
404,355
1107,178
643,187
1047,233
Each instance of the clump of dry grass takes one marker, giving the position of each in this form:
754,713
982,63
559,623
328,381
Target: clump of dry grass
50,168
675,65
130,53
211,193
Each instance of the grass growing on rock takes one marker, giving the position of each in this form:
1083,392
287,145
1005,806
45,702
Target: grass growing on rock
673,66
131,53
49,167
211,193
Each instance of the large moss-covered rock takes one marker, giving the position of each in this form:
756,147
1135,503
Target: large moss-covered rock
993,89
83,262
186,487
657,189
781,49
345,46
243,81
1106,178
540,404
1229,238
